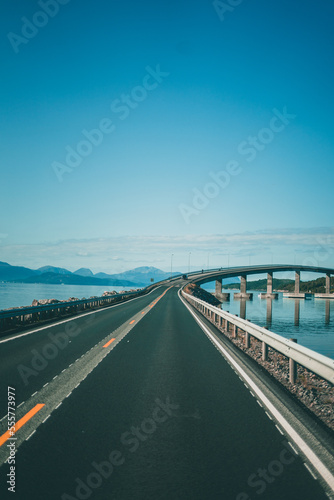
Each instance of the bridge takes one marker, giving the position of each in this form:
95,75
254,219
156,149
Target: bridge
146,399
243,272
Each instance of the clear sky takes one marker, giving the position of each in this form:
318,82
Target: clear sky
215,133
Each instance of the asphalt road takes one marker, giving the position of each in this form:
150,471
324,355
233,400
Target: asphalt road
141,405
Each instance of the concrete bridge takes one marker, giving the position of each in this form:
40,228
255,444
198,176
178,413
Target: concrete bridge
219,274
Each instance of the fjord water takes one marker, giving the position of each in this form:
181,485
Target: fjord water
22,294
310,321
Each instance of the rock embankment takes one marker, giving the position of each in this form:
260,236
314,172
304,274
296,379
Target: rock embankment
201,294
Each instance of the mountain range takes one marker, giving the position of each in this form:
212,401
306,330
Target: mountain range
141,276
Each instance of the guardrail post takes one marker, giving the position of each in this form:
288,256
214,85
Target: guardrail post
292,368
247,340
227,325
264,351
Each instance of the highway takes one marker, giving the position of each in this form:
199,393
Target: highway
135,402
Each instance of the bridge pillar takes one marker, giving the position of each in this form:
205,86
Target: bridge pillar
328,283
243,289
269,294
296,294
223,297
327,294
297,282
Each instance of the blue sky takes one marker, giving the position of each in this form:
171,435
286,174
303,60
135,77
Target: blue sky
201,89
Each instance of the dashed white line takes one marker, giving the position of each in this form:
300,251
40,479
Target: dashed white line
310,471
294,449
34,394
69,394
258,402
59,405
63,370
21,404
46,419
33,432
70,365
55,377
46,384
77,385
268,415
279,430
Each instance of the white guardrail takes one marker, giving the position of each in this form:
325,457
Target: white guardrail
311,360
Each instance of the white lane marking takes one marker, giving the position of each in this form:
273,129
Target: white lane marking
268,415
34,394
58,405
46,384
294,449
310,471
55,377
69,394
21,404
258,402
76,317
279,430
46,419
33,432
296,438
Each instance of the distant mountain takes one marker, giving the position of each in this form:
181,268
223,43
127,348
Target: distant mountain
51,269
10,273
141,275
84,272
74,279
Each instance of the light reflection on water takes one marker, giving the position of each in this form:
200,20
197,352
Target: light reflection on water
310,321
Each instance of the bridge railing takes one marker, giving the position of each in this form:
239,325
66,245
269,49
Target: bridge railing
311,360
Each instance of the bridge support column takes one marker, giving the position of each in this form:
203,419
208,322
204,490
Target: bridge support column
243,289
296,294
269,294
297,282
328,283
223,297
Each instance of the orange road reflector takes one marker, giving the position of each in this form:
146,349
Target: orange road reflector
133,321
20,423
108,343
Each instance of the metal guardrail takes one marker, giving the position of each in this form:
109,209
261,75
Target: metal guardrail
13,318
317,363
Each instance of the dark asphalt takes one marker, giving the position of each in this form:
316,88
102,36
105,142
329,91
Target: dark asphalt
163,416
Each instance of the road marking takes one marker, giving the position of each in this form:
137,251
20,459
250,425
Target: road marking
33,432
21,404
46,419
34,394
310,471
133,321
108,343
323,471
69,394
279,429
143,312
58,405
20,423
